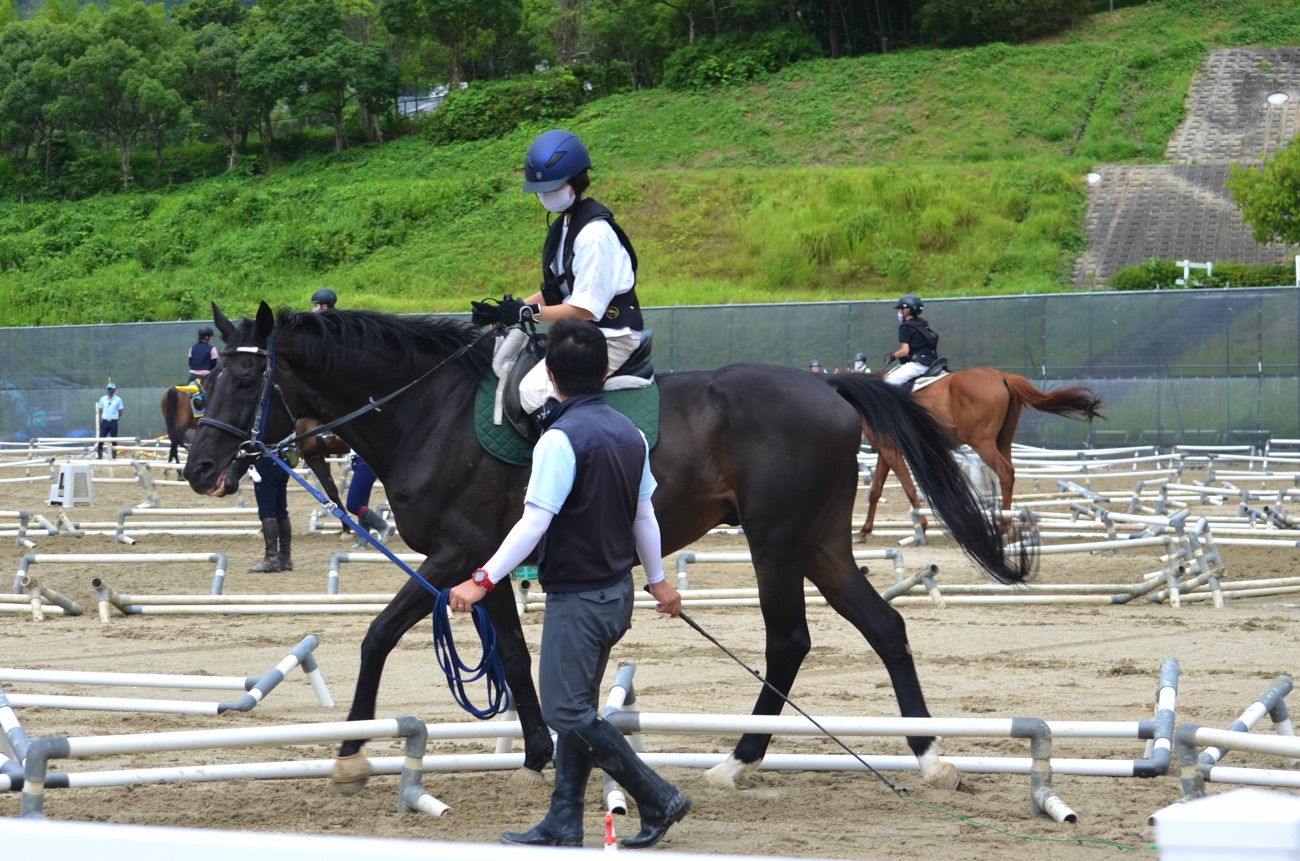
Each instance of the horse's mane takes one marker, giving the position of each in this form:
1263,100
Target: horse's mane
412,341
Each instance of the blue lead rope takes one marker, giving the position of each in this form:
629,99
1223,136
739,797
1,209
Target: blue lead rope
458,673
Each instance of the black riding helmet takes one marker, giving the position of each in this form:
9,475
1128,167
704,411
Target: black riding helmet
911,303
205,332
325,296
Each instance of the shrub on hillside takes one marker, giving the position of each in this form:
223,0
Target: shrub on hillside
1150,274
979,22
1153,274
494,108
737,59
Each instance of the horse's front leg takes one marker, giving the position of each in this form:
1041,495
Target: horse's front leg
515,657
411,604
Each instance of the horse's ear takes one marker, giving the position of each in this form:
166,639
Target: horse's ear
224,326
265,322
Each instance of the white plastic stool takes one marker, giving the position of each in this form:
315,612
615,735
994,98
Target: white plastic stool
74,487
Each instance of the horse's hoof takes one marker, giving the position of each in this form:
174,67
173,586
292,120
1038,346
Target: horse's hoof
349,775
727,773
526,778
939,773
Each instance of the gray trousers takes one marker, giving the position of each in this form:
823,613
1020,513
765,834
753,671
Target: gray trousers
578,632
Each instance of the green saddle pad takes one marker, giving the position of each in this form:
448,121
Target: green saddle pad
505,443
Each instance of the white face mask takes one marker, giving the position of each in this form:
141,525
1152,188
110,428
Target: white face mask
900,316
558,200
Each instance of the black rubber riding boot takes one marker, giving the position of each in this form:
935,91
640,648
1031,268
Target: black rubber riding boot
562,825
375,522
286,539
660,803
271,560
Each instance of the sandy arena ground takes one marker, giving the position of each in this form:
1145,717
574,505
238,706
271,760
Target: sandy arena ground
1071,662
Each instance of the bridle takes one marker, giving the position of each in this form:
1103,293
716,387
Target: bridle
253,447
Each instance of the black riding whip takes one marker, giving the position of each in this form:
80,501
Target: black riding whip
688,620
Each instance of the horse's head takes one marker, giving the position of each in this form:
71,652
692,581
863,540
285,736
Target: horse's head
244,404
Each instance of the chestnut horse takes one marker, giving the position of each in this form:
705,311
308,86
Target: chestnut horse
980,407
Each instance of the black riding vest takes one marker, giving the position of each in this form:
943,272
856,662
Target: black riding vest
624,311
590,544
921,340
201,357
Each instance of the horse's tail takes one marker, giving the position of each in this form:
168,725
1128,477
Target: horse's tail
1075,402
170,409
894,416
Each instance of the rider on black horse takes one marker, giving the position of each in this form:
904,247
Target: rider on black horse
588,264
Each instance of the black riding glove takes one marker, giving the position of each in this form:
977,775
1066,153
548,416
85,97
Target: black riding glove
889,357
515,311
485,313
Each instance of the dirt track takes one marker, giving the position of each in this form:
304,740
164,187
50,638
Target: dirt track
1056,662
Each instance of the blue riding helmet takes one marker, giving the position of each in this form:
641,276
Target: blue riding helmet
554,158
860,357
205,332
325,296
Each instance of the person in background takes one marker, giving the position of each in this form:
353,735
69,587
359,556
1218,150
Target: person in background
107,414
358,504
918,343
271,489
362,482
815,366
860,364
324,299
588,503
203,356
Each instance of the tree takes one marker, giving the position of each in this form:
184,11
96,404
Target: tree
197,14
460,25
112,88
322,61
220,100
23,123
1269,196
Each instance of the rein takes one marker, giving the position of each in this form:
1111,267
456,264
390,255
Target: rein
489,666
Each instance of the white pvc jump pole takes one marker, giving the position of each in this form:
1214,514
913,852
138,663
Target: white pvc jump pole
31,559
410,794
685,559
255,687
337,560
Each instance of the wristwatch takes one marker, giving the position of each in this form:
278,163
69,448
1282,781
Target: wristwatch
482,580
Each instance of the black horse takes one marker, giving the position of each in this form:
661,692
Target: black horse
771,449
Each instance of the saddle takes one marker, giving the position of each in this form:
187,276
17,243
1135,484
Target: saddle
198,402
518,352
938,368
507,433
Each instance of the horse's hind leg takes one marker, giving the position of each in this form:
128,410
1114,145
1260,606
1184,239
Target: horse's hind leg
850,595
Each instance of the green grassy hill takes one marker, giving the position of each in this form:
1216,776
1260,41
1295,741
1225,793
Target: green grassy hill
937,172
